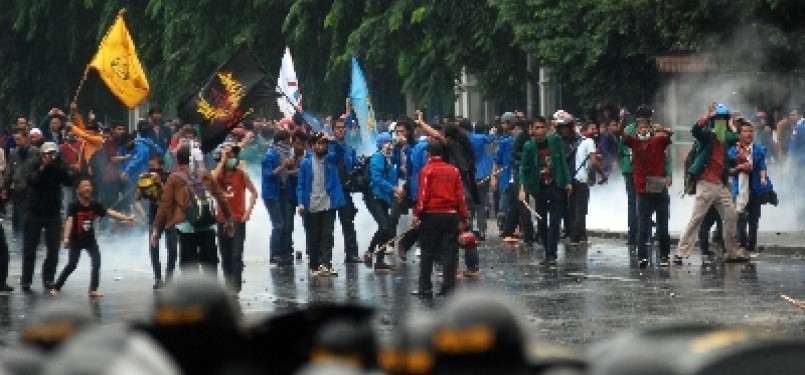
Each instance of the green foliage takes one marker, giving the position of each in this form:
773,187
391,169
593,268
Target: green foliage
600,50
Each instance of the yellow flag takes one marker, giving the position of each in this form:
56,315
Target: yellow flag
119,67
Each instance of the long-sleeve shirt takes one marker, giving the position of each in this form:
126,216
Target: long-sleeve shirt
92,142
440,190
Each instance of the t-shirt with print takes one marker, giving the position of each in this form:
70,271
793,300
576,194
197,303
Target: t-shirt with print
546,166
83,231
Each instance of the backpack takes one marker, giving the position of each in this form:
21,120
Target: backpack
200,209
359,177
689,187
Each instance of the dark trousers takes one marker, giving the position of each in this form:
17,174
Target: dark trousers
33,228
437,236
658,205
550,204
231,249
480,212
380,212
288,212
631,207
198,249
19,210
399,208
72,262
4,258
346,216
171,244
581,199
748,223
516,215
710,218
275,214
319,235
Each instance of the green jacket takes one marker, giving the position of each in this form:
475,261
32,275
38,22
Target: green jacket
530,164
624,152
705,136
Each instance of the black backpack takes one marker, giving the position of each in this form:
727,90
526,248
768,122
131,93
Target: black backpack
200,210
689,187
358,178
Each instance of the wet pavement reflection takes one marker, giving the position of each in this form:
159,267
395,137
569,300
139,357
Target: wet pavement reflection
593,293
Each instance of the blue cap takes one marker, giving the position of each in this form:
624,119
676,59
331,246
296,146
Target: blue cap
382,139
722,110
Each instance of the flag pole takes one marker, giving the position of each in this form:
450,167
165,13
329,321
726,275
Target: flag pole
120,13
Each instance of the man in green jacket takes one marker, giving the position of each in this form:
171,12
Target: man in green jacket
711,172
544,175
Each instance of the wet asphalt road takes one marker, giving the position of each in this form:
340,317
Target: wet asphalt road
593,294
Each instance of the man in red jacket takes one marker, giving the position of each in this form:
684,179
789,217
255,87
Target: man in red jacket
439,211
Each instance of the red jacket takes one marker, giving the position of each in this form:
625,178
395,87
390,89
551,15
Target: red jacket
440,190
648,158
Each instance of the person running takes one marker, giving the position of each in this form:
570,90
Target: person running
79,234
382,194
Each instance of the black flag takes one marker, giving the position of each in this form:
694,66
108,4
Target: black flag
231,94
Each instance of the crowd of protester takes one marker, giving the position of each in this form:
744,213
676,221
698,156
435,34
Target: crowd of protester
65,175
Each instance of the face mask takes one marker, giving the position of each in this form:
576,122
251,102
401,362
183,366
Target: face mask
644,137
231,163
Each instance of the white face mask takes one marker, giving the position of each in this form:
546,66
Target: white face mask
644,137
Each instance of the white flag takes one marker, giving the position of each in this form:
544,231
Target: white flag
286,82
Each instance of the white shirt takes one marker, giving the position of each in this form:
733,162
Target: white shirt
583,164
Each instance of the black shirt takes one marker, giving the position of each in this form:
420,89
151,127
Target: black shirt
45,190
83,231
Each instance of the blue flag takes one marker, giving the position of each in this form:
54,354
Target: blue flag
362,104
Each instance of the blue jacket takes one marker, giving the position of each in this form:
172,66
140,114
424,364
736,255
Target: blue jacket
384,178
348,153
419,158
271,182
758,164
503,158
483,163
332,184
796,147
137,163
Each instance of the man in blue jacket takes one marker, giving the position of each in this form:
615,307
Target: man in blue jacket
277,167
483,173
346,214
139,152
503,161
320,195
383,191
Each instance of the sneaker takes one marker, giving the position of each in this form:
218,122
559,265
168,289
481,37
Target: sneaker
55,293
472,273
383,266
510,239
48,285
5,288
326,271
402,253
95,294
314,273
665,262
548,262
678,260
707,260
643,263
158,284
26,288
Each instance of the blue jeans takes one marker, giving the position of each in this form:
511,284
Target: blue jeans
275,214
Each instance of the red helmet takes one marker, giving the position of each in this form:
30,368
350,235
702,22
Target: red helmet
467,240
